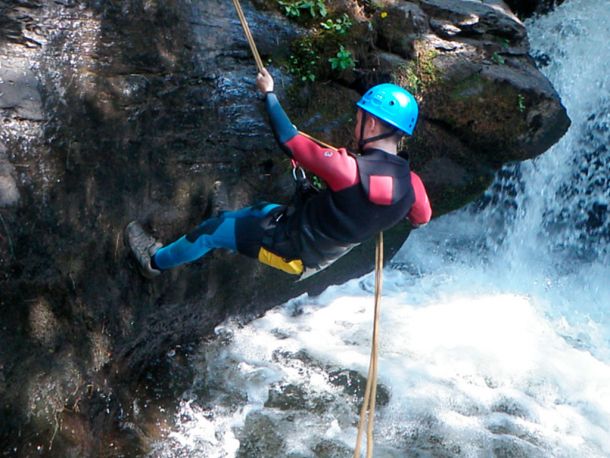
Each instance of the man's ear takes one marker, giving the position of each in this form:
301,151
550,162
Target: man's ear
372,122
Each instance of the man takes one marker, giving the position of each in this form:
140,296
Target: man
365,194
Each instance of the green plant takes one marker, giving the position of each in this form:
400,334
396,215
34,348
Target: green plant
498,59
521,103
317,182
303,62
294,8
290,9
409,78
418,74
340,25
342,60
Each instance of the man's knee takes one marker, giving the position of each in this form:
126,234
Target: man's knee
206,228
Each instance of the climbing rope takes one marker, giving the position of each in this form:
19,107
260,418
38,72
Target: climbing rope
367,412
259,61
319,142
244,25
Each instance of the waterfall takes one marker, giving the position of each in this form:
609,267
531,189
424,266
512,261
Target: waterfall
495,330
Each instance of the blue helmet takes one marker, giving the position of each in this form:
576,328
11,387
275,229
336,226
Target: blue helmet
391,104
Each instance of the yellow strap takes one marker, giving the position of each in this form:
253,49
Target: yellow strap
294,267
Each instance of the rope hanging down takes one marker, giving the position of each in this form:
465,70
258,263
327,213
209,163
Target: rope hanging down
368,406
370,393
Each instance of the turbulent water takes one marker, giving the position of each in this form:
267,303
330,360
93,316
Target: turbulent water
495,329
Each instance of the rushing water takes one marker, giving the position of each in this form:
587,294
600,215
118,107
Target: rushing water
495,329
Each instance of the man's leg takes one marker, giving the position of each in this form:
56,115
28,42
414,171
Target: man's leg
213,233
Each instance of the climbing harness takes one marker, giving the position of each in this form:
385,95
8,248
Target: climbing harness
367,412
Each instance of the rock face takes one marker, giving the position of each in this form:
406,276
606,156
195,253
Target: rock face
526,8
113,111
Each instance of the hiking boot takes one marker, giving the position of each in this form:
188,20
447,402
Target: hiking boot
219,199
143,247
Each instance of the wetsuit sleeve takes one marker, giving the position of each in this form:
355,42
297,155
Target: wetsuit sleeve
280,123
421,211
336,167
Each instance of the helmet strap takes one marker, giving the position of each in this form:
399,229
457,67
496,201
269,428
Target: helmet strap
363,141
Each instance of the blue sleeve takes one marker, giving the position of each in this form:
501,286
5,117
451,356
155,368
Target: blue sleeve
282,128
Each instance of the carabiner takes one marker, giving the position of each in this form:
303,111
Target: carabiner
294,173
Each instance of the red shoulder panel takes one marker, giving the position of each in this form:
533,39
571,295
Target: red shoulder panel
381,189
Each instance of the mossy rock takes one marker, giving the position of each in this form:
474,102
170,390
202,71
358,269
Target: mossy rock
484,114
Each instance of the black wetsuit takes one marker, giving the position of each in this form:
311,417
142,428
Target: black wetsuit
364,195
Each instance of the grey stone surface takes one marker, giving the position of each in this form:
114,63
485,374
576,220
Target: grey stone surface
19,90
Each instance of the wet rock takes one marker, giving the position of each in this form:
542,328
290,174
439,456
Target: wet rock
527,8
354,385
476,18
113,111
332,449
511,447
259,437
427,438
9,194
19,94
287,397
397,30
